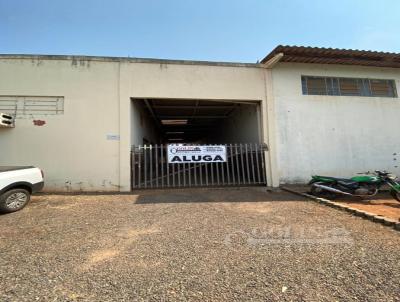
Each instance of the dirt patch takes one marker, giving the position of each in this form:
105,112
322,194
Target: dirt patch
120,243
384,207
257,208
102,255
381,204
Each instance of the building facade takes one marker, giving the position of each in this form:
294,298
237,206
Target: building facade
320,111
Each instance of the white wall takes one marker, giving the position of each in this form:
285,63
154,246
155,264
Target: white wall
143,126
160,80
333,135
73,148
186,81
241,127
315,134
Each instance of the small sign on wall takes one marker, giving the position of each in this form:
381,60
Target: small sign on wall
178,154
112,137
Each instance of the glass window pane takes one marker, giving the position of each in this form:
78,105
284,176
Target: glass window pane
316,86
333,86
364,87
349,87
382,88
304,85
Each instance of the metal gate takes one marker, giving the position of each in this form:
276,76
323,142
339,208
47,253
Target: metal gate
245,166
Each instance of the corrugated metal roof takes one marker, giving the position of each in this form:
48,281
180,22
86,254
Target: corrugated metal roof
316,55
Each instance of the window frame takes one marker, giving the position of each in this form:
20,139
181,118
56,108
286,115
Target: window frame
333,86
25,106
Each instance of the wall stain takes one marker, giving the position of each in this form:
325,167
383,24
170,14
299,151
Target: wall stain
80,184
114,185
68,186
39,122
80,62
37,62
74,62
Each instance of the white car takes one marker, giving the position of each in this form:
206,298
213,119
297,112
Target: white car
16,186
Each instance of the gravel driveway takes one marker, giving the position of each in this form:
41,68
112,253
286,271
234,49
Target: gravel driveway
230,244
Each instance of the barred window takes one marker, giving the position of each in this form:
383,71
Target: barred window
348,86
23,106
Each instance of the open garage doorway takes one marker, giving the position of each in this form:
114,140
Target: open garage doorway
230,130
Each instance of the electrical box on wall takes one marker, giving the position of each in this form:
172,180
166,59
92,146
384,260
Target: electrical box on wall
7,120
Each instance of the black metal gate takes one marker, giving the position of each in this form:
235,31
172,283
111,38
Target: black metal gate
245,166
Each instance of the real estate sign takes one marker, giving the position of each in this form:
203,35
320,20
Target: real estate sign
180,154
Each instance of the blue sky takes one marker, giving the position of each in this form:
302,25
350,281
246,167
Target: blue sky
217,30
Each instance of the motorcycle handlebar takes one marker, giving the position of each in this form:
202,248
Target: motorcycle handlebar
363,173
377,172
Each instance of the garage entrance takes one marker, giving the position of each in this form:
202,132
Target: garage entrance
244,166
230,127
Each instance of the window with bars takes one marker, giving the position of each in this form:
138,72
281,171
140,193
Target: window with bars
22,106
312,85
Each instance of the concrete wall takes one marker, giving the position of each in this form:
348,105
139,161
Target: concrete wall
333,135
71,148
80,150
142,126
241,127
186,81
88,147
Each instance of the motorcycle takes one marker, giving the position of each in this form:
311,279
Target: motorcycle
364,185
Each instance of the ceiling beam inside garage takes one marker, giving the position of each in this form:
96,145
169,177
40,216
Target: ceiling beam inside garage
188,109
189,119
191,107
166,117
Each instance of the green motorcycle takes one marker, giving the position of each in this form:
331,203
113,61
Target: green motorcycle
365,185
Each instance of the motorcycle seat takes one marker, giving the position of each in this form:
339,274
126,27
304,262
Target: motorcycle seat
343,181
348,182
336,178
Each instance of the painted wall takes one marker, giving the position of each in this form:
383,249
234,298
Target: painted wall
142,126
333,135
241,127
80,150
71,148
185,81
188,81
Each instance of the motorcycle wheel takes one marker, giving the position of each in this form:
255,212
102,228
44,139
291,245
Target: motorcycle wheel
395,195
322,193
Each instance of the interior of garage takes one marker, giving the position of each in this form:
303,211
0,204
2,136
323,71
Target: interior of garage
159,123
169,121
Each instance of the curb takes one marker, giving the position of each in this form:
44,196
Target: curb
356,212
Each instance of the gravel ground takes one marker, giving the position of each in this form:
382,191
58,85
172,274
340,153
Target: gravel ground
230,244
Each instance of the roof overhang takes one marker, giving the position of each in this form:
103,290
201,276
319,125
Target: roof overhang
315,55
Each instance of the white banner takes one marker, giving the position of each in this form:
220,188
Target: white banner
179,154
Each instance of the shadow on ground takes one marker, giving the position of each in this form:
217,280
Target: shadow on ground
201,195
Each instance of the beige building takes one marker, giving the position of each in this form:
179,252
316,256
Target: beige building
319,111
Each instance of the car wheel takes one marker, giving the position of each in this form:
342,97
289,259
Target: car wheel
14,200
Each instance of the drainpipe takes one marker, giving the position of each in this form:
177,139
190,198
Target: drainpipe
270,125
